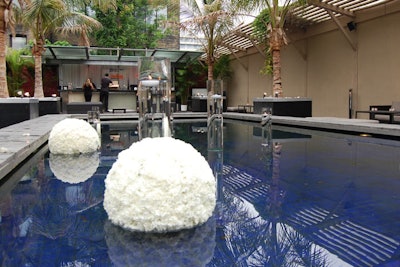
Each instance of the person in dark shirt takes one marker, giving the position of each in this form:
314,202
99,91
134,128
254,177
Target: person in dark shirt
104,91
88,87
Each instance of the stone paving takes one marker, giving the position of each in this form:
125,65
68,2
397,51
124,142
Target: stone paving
19,141
329,123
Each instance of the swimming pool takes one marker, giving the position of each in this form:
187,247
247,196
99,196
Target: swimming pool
304,198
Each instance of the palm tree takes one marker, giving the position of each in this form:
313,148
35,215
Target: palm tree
5,24
276,11
84,25
46,16
42,16
209,21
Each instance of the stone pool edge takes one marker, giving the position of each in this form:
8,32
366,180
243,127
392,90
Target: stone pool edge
19,141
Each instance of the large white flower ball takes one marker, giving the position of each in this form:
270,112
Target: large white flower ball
159,185
73,136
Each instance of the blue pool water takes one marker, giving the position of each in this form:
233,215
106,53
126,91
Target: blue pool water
302,198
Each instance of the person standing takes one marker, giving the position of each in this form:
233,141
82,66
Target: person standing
88,87
105,89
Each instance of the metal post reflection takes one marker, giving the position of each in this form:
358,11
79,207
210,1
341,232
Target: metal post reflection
154,96
215,141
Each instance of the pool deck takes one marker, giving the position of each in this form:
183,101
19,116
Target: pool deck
19,141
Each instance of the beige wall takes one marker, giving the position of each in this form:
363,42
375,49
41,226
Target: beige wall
294,70
330,61
379,61
247,82
323,65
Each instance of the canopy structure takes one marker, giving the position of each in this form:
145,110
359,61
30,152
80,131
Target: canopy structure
314,12
321,10
111,56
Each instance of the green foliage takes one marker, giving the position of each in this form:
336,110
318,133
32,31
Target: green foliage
128,26
222,68
268,68
260,24
16,62
186,77
48,42
59,43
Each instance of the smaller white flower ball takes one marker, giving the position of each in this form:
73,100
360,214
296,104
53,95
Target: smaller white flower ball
73,136
160,185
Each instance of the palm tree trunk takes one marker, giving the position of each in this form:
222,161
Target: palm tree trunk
38,49
3,51
210,72
210,80
276,41
276,75
38,76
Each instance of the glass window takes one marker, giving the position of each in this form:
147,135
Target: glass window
18,42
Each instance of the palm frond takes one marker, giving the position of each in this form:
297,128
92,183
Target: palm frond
76,23
43,14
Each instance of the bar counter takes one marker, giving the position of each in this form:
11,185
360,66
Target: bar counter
284,106
118,99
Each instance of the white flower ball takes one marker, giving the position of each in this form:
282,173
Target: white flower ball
73,136
160,185
74,169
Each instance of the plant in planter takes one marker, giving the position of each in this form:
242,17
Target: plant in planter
223,72
222,68
186,77
17,66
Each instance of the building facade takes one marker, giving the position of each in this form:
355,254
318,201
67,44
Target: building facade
322,64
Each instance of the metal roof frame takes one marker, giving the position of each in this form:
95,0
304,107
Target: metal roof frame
111,56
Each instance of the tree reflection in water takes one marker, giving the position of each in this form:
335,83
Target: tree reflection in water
254,232
55,223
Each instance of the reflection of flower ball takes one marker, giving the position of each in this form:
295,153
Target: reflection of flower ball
74,169
159,185
73,136
189,247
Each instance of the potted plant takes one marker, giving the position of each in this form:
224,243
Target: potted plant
186,77
18,63
182,85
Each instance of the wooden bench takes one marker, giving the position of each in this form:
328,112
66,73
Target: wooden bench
246,108
391,118
119,109
232,109
383,113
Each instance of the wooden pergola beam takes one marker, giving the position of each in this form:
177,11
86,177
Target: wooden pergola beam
346,34
251,39
329,7
232,46
238,59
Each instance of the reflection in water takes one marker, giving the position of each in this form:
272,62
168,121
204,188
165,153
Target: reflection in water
192,247
253,238
285,198
84,166
55,223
